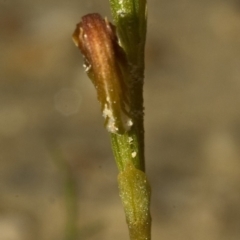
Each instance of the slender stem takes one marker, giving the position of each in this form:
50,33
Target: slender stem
71,199
130,20
70,194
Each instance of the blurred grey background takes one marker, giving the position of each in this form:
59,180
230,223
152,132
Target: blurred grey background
50,123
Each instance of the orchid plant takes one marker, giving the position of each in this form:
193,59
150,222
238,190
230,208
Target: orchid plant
114,61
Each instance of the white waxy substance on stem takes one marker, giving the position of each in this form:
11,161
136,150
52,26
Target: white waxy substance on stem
129,123
111,123
87,67
121,13
134,154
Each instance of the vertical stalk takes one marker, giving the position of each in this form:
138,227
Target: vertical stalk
70,188
114,61
71,200
130,20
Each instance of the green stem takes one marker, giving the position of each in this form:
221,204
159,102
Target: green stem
70,195
71,199
127,150
130,20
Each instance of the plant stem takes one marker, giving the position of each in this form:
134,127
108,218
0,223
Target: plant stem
115,64
70,194
130,20
71,200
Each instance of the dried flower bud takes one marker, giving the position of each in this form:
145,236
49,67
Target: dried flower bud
106,66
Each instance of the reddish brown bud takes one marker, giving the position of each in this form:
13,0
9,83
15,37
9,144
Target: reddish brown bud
106,66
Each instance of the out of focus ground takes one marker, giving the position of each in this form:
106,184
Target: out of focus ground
49,115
